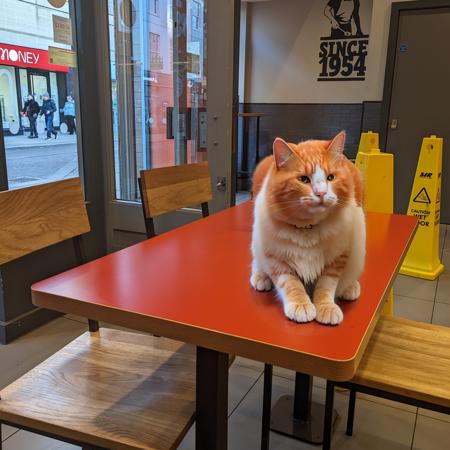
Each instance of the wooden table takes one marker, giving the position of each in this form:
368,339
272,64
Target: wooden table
192,284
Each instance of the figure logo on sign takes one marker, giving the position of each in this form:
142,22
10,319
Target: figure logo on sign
343,52
341,13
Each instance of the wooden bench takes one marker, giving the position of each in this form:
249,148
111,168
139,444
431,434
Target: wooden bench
405,361
108,388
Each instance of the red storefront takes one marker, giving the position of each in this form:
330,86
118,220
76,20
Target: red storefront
26,70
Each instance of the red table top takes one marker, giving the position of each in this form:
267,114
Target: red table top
192,284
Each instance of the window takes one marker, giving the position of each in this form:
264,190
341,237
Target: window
155,44
154,7
196,10
39,148
156,61
150,84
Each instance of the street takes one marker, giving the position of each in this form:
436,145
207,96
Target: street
31,161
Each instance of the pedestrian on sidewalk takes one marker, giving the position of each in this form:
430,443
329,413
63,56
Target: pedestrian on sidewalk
31,110
69,114
48,110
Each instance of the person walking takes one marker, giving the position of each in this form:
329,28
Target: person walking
69,114
31,110
48,110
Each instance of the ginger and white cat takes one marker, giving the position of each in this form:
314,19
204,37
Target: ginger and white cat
309,226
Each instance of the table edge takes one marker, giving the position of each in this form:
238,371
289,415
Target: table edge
329,368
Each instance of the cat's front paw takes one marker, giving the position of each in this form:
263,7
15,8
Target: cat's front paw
329,314
300,312
261,282
352,292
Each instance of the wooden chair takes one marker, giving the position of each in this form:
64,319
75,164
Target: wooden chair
107,389
405,361
167,189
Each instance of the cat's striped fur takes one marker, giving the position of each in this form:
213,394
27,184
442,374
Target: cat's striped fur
309,226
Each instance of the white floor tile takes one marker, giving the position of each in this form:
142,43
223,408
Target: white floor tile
240,381
7,431
443,287
249,363
431,434
434,415
27,351
376,426
441,314
390,403
412,308
415,287
23,440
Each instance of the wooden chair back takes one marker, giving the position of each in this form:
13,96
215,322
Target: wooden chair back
36,217
167,189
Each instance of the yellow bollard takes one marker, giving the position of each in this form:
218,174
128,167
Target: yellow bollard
422,259
377,169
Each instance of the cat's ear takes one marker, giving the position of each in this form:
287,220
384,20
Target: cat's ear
337,144
281,152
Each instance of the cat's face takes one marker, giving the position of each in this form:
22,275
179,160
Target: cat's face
309,181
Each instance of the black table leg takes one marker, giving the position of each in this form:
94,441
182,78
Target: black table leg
297,416
267,405
211,428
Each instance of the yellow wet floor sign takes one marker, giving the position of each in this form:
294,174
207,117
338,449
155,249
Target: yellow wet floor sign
422,259
377,169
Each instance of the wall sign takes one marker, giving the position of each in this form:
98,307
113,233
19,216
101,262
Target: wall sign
57,3
62,30
62,56
14,55
344,47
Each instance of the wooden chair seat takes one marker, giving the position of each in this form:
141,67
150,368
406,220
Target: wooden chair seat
110,389
405,361
408,358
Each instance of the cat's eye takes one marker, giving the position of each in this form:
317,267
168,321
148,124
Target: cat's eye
304,179
330,177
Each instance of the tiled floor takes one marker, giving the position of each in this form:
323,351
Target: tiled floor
379,424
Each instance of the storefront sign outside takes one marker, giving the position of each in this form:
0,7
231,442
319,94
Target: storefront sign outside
13,55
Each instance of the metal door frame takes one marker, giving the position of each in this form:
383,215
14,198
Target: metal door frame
397,9
3,168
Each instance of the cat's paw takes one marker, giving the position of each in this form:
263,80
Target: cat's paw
300,312
351,292
261,282
329,314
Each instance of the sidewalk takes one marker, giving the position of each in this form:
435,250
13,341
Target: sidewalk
24,142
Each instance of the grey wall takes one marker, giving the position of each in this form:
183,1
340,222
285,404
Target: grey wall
301,121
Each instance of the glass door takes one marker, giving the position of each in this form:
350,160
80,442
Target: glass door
160,87
38,84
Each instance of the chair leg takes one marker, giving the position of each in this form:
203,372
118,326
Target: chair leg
267,405
93,325
351,412
328,420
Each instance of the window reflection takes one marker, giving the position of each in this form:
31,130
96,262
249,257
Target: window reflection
158,87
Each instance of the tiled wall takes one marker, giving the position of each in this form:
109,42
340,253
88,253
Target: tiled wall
297,122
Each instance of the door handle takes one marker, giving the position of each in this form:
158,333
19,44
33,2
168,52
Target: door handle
221,184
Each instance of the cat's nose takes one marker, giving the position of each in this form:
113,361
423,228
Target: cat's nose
320,193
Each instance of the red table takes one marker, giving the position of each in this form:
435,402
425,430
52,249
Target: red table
192,284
